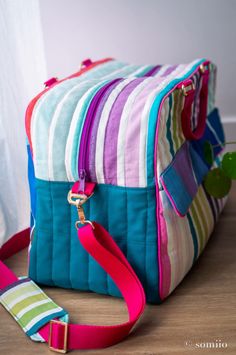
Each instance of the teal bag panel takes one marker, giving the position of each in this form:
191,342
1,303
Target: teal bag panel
58,259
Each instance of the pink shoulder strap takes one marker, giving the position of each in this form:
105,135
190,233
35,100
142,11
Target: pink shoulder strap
100,245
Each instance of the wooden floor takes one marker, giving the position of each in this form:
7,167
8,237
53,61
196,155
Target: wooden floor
201,311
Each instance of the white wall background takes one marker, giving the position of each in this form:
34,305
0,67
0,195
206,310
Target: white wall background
138,31
22,72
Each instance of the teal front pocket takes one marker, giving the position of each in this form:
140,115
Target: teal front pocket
58,259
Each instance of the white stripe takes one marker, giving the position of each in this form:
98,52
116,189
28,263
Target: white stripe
59,107
179,72
23,297
144,126
54,123
51,92
162,70
123,129
41,150
214,133
99,152
14,289
41,316
32,306
121,72
140,70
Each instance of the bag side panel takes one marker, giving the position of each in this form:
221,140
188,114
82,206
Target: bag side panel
56,256
182,239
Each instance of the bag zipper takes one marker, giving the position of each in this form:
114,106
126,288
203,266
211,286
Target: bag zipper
84,142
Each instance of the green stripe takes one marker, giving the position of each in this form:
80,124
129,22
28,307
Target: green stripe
168,127
197,224
152,121
25,288
175,118
27,302
180,135
206,204
33,313
202,218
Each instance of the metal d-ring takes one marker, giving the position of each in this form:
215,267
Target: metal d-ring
84,222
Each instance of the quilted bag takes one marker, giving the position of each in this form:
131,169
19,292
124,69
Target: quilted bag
116,170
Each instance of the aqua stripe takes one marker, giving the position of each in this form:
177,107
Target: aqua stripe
78,130
44,321
145,71
153,119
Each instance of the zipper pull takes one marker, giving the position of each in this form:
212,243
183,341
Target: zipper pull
82,175
50,82
86,63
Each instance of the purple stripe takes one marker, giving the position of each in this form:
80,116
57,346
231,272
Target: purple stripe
84,143
112,129
132,141
92,139
153,71
197,82
169,70
14,284
182,165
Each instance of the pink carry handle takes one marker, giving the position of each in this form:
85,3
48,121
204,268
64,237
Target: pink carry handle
188,103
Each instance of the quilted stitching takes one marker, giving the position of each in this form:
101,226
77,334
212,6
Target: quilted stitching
58,259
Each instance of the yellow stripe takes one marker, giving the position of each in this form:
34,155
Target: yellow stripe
202,220
175,117
197,224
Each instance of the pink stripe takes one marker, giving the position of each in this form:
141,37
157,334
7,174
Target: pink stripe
162,283
163,256
132,141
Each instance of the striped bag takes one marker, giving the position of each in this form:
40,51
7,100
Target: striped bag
122,145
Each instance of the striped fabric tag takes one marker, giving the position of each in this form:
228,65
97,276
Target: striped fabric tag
29,305
182,177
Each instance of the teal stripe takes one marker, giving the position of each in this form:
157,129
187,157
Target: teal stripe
145,71
168,128
194,237
79,127
35,328
153,117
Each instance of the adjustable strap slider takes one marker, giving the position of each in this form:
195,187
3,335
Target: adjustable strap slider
58,336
